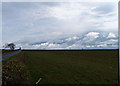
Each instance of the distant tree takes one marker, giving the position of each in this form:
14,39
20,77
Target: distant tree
11,46
20,48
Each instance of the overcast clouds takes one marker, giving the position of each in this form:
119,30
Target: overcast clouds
25,23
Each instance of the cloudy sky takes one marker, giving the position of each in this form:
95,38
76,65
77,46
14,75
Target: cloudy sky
56,25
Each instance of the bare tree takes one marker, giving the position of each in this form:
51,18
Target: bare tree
11,46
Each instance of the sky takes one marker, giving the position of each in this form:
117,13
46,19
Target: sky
60,25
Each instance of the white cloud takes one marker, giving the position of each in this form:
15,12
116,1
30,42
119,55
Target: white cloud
102,45
53,46
41,45
111,35
109,26
72,38
87,41
74,17
49,22
67,10
93,34
111,41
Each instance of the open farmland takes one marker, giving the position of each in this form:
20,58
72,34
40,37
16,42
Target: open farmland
70,67
73,67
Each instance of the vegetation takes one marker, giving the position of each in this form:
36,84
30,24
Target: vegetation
4,52
63,67
14,72
10,45
73,67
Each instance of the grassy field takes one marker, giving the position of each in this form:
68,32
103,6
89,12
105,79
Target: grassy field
73,67
68,67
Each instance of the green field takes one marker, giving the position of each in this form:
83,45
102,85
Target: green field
71,67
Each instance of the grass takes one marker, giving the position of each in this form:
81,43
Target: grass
4,52
73,67
12,57
14,71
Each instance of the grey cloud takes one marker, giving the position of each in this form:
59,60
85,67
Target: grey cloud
52,21
105,8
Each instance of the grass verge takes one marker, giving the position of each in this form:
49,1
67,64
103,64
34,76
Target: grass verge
14,71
